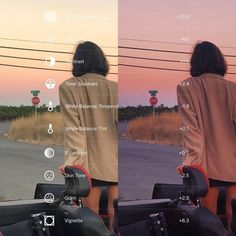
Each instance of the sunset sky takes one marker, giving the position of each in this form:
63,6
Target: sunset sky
64,21
97,20
161,20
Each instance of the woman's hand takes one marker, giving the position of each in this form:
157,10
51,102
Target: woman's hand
62,169
179,169
187,162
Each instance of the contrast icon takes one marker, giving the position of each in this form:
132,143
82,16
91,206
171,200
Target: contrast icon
50,61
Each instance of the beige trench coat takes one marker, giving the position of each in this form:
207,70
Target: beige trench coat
207,105
89,110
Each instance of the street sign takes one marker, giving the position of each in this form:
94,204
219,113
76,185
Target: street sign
35,100
153,92
35,92
153,100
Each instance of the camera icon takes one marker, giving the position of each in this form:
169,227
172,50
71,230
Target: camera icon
49,220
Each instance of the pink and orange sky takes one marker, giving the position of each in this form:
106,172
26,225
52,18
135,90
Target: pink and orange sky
159,20
97,20
64,21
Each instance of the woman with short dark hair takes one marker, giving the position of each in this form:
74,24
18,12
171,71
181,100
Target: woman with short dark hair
207,104
207,58
89,110
89,58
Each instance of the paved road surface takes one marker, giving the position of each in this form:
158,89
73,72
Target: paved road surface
141,165
22,166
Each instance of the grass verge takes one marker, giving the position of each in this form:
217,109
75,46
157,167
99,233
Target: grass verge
161,129
35,130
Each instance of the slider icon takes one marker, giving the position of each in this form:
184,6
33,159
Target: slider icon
50,129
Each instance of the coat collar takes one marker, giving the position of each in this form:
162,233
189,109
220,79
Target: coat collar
211,75
94,75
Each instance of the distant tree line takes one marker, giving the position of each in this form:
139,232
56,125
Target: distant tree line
12,112
125,113
131,112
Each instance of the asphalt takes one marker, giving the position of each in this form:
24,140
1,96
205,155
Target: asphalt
22,166
141,165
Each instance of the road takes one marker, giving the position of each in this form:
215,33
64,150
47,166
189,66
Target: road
141,165
22,166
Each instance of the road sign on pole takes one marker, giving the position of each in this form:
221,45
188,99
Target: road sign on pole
153,100
35,101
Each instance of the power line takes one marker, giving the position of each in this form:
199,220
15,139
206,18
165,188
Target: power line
42,50
149,67
29,58
38,59
162,50
165,42
124,56
124,47
160,68
34,67
147,58
154,50
158,59
41,68
153,41
132,48
38,41
112,73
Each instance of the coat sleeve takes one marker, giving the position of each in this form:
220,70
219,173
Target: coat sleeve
74,138
192,139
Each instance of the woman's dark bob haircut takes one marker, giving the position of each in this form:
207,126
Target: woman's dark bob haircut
89,58
207,58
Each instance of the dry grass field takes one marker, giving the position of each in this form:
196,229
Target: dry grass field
29,129
161,129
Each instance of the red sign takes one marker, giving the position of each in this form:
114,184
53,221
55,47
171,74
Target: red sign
35,101
153,100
